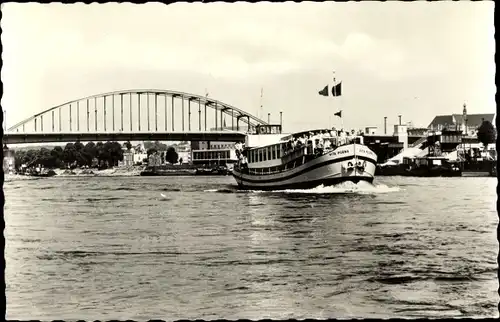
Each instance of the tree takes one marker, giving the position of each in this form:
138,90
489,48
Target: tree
128,145
155,145
151,151
171,156
486,133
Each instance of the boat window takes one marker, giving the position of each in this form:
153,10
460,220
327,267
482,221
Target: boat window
260,155
274,152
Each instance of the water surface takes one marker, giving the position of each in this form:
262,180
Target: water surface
195,247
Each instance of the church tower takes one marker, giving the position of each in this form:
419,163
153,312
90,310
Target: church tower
464,120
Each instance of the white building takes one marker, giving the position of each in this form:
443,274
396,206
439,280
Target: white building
213,153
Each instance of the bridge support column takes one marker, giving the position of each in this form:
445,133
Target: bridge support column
182,97
189,115
166,113
35,124
147,105
52,121
78,116
139,110
104,113
95,113
70,127
173,107
130,110
205,116
41,122
113,110
88,117
232,119
60,118
156,112
121,111
199,115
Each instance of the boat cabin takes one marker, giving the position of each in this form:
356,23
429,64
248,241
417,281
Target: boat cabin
276,152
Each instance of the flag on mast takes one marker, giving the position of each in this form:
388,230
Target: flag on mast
339,114
324,91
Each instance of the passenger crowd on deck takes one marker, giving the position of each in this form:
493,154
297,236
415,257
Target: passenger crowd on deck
321,141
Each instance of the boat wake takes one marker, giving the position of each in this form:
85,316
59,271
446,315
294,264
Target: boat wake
361,187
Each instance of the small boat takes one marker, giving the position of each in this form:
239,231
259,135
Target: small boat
217,171
43,174
271,160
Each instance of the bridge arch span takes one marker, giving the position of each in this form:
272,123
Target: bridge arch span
126,107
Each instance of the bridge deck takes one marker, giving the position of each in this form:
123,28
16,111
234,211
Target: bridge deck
19,138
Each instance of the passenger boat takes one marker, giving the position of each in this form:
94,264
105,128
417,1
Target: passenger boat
271,160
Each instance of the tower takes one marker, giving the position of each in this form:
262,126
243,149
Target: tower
464,119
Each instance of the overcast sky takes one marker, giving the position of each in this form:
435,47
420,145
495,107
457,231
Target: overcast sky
415,59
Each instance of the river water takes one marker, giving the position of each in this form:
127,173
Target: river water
195,247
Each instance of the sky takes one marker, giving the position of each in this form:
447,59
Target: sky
417,59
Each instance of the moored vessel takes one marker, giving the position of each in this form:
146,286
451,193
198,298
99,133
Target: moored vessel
270,160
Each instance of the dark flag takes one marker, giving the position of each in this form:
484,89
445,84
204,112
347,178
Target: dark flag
324,91
339,114
337,89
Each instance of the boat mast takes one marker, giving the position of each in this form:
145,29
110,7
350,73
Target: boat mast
261,104
334,95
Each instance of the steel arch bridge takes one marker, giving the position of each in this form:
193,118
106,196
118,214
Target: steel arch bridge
135,115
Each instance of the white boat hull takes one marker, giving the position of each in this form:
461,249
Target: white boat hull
352,162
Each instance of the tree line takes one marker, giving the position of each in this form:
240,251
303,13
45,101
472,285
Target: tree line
79,155
73,155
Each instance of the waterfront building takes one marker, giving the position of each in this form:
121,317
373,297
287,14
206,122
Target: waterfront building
213,153
128,159
371,130
466,123
139,158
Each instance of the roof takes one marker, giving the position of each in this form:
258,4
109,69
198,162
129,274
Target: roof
473,120
441,119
